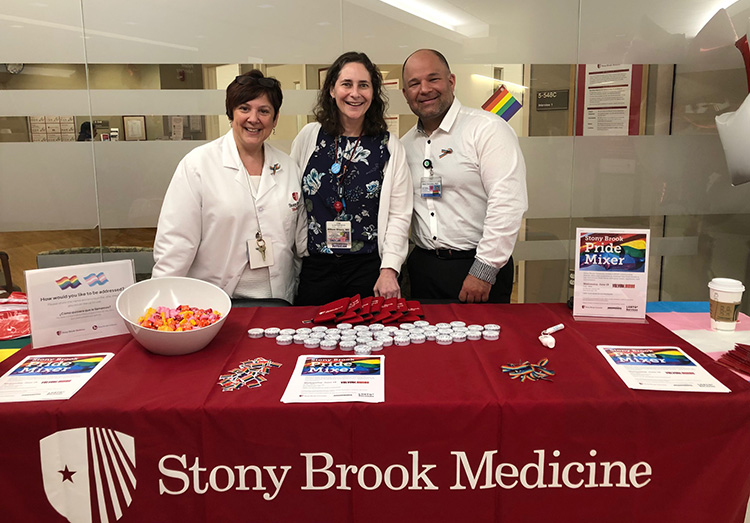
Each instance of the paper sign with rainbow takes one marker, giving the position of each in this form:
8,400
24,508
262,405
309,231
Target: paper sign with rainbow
502,104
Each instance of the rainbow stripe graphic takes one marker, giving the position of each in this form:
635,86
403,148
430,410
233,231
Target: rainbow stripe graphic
65,282
628,254
344,365
502,104
58,366
645,356
96,279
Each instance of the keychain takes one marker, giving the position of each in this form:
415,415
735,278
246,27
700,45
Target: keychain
546,337
261,245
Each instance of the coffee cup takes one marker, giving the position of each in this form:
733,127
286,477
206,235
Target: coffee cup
725,295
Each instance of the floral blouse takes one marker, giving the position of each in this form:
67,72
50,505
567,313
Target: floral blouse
359,182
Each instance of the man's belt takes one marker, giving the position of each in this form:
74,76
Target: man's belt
450,254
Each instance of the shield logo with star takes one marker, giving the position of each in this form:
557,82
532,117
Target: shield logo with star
88,473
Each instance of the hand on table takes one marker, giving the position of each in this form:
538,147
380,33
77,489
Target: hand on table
387,284
474,290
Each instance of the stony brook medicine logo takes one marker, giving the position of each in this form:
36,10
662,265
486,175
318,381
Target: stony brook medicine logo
88,473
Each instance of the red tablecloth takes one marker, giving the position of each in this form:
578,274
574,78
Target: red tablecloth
456,440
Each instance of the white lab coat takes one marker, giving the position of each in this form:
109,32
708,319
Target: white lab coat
209,214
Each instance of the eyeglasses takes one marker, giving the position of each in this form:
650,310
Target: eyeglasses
265,82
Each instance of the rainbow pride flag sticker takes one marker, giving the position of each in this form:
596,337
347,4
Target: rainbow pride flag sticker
502,103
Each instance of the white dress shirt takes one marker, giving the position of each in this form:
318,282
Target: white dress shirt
477,156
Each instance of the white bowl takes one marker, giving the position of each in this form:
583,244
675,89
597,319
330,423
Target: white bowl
172,291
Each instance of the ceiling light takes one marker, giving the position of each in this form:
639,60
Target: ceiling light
444,14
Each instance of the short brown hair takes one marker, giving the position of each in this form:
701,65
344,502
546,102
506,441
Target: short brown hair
250,86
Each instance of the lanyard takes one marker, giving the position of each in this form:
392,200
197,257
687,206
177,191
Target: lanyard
340,172
259,241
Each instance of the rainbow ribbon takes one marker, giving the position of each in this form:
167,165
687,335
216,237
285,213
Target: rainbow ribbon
529,371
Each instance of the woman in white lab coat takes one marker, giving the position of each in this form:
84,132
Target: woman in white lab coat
233,213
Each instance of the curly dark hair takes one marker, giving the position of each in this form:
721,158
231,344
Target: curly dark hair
250,86
327,112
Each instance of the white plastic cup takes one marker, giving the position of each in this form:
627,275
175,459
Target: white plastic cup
725,296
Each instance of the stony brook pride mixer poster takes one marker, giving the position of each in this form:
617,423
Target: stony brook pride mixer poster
611,274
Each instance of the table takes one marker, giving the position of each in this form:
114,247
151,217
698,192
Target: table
456,440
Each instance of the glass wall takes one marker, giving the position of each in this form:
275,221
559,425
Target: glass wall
149,78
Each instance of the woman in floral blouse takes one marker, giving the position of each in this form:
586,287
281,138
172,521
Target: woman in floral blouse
357,189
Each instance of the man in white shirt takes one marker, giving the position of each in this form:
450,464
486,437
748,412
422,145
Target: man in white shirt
470,190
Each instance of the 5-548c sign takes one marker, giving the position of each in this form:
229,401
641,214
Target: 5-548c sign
556,100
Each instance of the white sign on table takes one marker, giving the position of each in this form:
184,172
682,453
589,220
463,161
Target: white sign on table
329,379
76,302
659,368
611,274
50,377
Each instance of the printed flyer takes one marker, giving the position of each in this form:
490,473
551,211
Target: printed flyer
607,100
326,379
76,302
660,368
611,273
50,377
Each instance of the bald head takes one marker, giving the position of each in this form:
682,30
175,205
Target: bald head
435,53
428,87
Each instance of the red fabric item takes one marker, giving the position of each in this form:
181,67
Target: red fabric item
14,316
347,316
445,405
324,318
369,310
380,317
352,310
391,318
365,308
335,307
737,358
14,324
742,45
354,303
376,304
389,304
415,307
401,306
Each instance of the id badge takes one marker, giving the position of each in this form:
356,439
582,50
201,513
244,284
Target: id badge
259,253
432,187
339,235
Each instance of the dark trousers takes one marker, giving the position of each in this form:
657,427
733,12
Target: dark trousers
328,277
441,277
